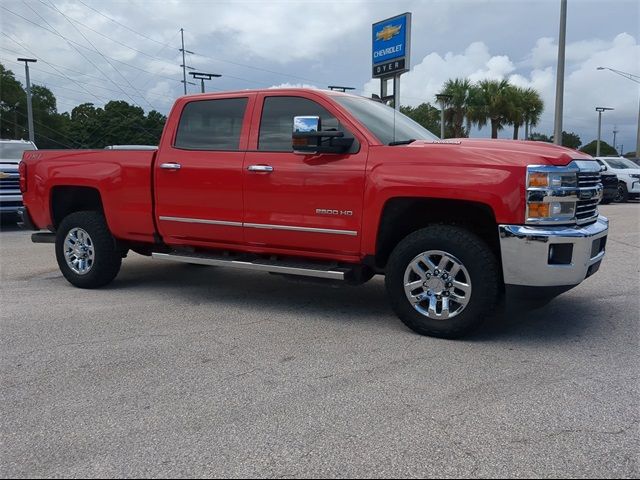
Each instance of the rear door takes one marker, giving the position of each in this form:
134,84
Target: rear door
198,173
302,202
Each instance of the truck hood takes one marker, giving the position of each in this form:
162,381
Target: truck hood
514,152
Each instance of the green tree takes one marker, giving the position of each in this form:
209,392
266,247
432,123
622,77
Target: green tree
457,106
605,148
571,140
540,137
525,106
492,105
426,115
13,101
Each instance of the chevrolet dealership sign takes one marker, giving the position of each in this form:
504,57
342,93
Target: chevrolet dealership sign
391,46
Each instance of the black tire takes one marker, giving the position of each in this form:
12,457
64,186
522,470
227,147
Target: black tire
622,196
472,252
108,257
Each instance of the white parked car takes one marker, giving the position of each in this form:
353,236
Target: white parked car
628,176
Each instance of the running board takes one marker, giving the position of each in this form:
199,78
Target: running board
249,262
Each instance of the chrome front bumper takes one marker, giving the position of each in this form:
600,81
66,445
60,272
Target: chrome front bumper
551,256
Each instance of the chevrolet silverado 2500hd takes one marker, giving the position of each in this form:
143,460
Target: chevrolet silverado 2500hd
330,185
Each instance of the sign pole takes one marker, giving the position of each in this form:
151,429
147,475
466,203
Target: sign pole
391,51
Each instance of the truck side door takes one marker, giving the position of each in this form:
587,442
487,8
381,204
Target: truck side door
296,202
198,173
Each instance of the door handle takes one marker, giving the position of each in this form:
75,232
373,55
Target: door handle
260,168
170,166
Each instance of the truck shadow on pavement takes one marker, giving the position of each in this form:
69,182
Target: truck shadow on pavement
563,320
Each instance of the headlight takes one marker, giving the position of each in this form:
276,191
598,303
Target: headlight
552,211
552,194
635,175
549,179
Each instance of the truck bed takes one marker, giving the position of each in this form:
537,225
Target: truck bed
123,179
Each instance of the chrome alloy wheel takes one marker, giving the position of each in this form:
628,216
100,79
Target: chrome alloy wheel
78,251
437,285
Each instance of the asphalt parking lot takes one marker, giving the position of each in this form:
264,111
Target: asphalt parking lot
176,370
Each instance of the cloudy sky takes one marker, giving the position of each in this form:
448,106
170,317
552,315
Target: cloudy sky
95,51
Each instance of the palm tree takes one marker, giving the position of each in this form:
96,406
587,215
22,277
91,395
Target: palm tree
456,114
533,108
515,115
493,105
526,106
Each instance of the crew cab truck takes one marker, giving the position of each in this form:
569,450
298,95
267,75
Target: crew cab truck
329,185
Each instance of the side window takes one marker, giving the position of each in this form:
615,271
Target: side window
211,124
276,124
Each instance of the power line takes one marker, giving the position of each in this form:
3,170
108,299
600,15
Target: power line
74,47
252,67
124,26
50,129
109,38
105,58
76,44
39,134
67,77
87,74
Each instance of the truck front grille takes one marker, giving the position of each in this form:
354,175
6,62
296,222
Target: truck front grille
588,179
11,183
587,210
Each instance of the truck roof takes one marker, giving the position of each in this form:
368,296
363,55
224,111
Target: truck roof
265,90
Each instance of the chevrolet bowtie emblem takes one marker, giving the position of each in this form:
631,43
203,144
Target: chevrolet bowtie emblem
388,32
4,175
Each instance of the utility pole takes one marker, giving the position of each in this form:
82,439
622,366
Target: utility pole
557,131
600,110
443,99
202,77
29,106
633,78
184,63
615,132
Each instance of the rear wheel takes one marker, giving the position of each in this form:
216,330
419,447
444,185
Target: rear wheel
87,253
622,195
443,281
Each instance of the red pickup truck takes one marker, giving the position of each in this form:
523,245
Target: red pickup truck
329,185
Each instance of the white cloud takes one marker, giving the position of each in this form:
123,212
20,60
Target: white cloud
295,85
585,86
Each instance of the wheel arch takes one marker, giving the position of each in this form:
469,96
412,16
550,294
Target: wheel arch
65,200
402,216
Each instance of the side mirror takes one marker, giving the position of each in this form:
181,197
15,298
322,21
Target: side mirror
308,137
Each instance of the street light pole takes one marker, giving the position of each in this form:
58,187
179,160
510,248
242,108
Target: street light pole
633,78
29,106
600,110
557,131
202,77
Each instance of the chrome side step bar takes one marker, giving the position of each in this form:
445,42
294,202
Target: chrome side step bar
288,267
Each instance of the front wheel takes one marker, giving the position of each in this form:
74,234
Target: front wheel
622,195
86,251
443,281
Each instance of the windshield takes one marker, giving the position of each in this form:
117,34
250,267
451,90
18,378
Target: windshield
13,151
384,121
621,163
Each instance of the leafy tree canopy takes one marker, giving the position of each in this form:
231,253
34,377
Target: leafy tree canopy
605,148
